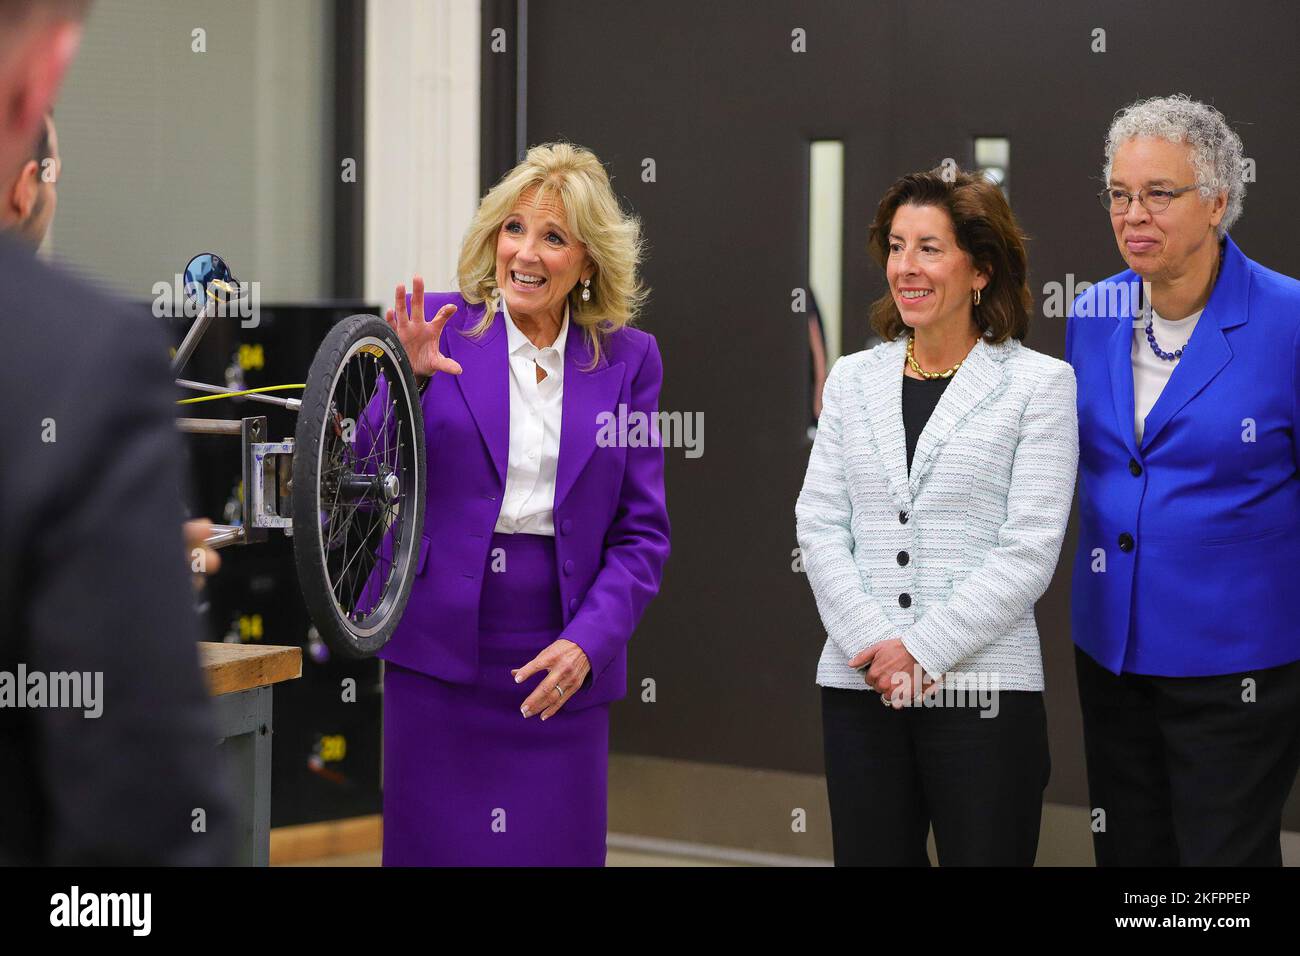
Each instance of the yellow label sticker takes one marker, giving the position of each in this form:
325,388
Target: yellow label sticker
333,747
251,357
250,627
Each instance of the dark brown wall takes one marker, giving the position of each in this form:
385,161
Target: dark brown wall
714,94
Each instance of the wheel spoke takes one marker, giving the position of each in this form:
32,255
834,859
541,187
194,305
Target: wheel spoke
368,548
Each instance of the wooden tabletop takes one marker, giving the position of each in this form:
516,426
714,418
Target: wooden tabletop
235,667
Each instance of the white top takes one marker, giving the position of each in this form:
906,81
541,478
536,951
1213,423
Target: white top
535,411
1150,372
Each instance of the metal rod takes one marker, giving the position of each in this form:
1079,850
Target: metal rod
223,535
210,426
293,404
191,340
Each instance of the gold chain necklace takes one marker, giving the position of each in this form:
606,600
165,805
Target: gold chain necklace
911,360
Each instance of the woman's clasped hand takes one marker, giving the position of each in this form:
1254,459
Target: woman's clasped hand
893,671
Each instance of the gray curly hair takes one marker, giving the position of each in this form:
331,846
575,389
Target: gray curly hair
1216,149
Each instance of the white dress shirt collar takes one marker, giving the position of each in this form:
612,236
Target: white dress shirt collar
551,358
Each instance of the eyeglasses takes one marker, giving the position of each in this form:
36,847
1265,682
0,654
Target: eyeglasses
1116,201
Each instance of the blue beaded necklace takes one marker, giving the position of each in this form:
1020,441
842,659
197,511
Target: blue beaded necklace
1155,347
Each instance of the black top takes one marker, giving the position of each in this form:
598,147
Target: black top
920,396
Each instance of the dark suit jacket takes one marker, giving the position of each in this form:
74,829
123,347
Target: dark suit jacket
93,579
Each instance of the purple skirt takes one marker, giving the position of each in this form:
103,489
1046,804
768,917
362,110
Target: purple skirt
467,780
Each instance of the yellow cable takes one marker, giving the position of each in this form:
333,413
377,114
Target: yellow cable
247,391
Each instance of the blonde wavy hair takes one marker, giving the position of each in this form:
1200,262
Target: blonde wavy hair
612,237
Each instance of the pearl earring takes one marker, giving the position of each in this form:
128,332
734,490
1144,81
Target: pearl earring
586,290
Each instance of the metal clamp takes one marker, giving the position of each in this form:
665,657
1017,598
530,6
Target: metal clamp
267,480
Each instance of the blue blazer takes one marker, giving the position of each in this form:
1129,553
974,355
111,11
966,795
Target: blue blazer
1189,543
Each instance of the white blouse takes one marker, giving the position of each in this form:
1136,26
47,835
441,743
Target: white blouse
535,412
1150,372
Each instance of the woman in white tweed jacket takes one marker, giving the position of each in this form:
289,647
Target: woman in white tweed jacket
930,522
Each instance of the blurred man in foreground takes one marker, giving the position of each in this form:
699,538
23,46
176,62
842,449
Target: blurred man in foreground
28,201
106,731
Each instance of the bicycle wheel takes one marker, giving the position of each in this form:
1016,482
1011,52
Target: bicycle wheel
358,486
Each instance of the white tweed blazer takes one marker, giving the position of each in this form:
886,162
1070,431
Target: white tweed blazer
980,517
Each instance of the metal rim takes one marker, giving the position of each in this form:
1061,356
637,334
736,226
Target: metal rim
396,517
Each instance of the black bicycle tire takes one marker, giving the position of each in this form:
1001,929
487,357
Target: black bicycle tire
308,545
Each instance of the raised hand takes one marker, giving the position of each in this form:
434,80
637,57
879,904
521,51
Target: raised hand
418,337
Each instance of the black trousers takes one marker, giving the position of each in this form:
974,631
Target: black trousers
891,774
1186,771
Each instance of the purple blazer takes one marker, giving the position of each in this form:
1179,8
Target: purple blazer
611,520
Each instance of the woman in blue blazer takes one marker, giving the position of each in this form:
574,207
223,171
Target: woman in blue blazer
1184,603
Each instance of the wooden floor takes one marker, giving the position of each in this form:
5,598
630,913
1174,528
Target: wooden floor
715,841
356,842
619,857
614,858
